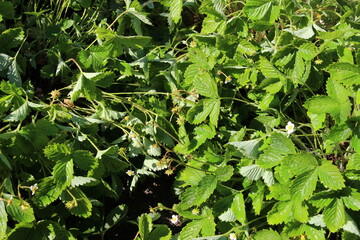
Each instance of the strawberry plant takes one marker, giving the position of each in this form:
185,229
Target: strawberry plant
179,119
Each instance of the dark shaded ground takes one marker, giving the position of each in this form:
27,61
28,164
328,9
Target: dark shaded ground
147,194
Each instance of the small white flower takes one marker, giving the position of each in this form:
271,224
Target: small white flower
130,173
174,219
34,188
290,127
232,236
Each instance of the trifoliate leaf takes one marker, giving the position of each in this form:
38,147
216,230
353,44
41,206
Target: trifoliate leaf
161,232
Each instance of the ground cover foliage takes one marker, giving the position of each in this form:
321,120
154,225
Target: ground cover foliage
244,114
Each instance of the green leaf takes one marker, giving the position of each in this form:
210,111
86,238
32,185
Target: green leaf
47,192
84,160
191,230
4,60
11,38
198,113
13,73
86,87
300,163
352,201
281,212
205,85
257,196
304,185
195,195
24,231
354,162
19,114
58,152
279,147
264,10
322,199
267,234
337,91
115,215
300,211
224,173
93,57
253,172
246,47
268,69
83,181
191,176
160,232
139,15
334,215
5,161
175,10
351,225
305,33
330,176
63,173
77,202
345,73
238,207
145,225
7,10
20,211
3,220
249,149
307,51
